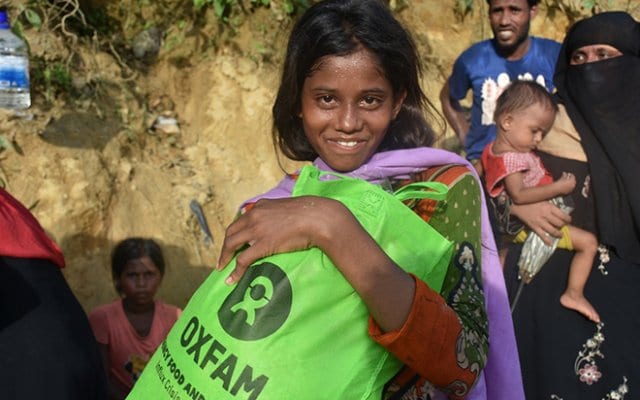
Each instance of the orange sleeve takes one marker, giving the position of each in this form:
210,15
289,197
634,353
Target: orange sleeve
428,348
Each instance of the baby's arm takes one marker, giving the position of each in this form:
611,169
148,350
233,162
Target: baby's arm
521,194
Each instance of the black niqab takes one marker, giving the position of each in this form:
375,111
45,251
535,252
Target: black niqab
603,101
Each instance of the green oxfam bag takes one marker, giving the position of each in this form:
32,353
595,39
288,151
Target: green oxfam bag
292,327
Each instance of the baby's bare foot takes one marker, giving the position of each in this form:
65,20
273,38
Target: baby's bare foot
581,305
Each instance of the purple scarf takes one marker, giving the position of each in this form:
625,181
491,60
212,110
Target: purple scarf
501,378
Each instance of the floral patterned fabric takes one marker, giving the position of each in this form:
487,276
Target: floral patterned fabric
458,219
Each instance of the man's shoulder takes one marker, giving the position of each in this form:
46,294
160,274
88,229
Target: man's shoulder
477,48
546,44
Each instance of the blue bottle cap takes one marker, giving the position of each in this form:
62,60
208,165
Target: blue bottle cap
4,22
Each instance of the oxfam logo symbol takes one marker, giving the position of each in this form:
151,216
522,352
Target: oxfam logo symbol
259,304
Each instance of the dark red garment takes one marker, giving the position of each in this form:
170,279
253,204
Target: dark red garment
21,235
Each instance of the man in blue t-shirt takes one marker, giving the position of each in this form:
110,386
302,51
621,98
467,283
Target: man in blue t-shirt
489,66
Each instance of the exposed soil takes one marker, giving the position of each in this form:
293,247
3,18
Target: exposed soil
93,169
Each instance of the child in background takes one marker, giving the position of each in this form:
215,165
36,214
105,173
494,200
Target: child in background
524,113
130,329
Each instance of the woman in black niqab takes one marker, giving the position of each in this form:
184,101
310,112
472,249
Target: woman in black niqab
603,100
562,354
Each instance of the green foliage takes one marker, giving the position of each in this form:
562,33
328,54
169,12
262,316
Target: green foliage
33,18
293,6
463,7
572,8
51,78
98,20
5,144
224,8
575,10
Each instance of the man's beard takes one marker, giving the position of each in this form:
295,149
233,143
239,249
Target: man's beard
507,50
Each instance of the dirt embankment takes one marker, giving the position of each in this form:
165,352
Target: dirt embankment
94,171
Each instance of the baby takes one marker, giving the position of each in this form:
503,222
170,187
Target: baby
524,113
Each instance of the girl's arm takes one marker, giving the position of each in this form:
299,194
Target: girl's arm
520,194
445,337
283,225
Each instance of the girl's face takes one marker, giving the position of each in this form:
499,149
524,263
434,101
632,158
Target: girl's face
523,130
139,281
347,105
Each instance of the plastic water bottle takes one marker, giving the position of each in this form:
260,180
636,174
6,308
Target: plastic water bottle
14,68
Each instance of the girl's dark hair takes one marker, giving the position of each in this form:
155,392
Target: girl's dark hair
134,248
520,95
342,27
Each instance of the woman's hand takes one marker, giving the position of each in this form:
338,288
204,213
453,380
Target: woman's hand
279,226
543,218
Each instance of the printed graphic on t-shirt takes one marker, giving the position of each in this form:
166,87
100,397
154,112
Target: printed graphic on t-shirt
135,365
492,89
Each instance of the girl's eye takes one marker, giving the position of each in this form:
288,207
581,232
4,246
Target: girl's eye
371,101
326,99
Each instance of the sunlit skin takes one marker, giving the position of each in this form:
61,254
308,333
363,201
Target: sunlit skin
593,53
347,105
138,284
510,20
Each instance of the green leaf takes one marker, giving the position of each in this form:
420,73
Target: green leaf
198,4
289,8
33,18
5,143
219,7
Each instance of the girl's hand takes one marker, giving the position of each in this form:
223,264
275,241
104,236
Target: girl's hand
298,223
279,226
543,218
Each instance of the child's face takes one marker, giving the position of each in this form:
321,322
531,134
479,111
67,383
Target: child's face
139,281
524,129
346,107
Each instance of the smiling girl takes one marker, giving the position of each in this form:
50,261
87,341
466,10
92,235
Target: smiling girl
350,101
